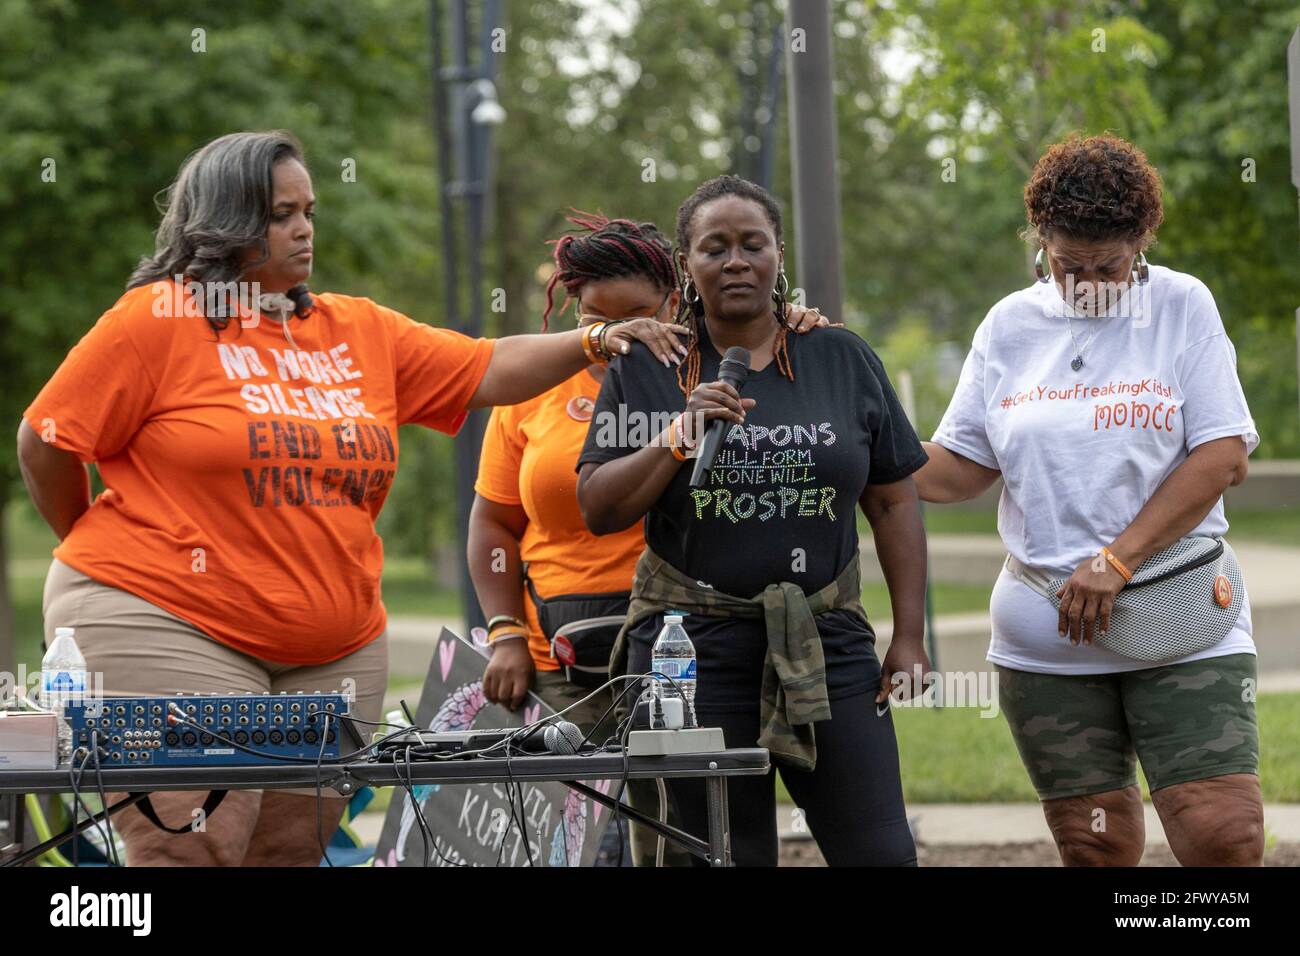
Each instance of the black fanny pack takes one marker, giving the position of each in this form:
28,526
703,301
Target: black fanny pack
581,629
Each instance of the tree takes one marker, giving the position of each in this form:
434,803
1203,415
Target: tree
100,103
1230,215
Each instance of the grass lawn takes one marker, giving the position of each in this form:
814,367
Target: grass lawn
409,589
1277,527
408,583
953,755
1281,526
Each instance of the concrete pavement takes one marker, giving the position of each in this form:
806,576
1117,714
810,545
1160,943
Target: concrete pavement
962,824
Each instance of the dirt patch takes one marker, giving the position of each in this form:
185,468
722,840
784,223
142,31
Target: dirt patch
805,853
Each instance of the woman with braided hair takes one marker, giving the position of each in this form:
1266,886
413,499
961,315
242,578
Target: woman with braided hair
535,566
763,556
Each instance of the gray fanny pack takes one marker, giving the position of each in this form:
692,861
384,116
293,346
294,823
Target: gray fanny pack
1183,599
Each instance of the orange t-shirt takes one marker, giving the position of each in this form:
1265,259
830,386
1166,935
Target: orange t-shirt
530,452
244,472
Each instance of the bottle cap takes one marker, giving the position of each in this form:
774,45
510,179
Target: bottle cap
63,632
672,618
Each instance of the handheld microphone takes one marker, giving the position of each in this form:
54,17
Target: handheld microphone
734,370
558,737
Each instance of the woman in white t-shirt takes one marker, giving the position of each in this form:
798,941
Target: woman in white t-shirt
1106,397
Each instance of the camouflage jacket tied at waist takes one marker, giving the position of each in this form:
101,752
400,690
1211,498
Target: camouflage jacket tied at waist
794,669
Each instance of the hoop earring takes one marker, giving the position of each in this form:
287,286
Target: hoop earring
1141,271
782,285
687,289
1040,270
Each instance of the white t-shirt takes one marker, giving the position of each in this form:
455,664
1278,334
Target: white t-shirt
1082,451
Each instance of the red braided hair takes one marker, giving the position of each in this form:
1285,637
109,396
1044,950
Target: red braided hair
606,249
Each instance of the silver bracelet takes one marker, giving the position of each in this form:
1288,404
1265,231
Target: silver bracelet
506,637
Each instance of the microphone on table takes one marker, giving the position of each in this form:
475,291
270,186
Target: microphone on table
558,737
733,370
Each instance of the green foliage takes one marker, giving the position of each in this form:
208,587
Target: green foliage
956,755
116,95
1230,215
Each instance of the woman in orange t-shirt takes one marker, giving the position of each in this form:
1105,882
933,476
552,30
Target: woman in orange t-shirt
234,546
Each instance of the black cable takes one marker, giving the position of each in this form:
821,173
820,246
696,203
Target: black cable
619,698
618,798
76,804
513,790
419,815
523,811
80,802
630,679
110,852
425,833
320,758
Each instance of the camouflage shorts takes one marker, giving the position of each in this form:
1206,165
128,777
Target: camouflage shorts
1080,734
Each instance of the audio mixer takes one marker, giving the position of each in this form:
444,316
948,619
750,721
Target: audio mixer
212,730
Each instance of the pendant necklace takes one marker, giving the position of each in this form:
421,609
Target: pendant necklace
1077,362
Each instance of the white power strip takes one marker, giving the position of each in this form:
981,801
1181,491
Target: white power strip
660,743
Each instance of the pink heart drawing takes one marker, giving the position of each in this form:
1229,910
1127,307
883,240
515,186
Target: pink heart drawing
603,786
446,651
531,713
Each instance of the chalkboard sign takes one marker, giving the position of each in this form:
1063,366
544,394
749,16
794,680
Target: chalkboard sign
471,823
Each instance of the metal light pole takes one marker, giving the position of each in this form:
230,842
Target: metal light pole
464,110
813,151
1293,97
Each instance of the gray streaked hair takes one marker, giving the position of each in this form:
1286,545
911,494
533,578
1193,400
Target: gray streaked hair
217,208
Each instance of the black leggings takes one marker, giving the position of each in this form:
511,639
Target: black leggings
852,802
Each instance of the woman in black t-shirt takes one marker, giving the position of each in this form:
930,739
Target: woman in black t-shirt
818,432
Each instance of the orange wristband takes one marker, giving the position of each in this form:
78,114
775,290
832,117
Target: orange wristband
1118,565
676,441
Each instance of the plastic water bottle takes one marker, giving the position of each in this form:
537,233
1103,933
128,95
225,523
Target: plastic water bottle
674,656
63,680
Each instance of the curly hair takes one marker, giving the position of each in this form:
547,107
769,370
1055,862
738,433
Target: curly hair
1094,188
610,249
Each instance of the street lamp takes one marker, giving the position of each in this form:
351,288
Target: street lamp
488,111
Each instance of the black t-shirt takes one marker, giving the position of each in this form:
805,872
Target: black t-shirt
780,503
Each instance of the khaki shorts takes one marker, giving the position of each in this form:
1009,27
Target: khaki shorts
1081,734
134,648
